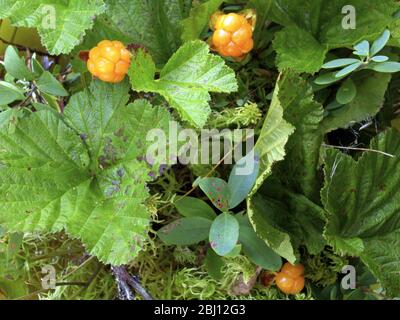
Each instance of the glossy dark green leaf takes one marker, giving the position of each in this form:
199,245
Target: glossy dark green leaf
15,65
10,93
214,264
48,84
242,178
185,231
194,207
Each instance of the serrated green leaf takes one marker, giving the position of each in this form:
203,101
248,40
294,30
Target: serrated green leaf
309,55
347,92
10,93
15,65
362,201
380,43
256,249
271,148
199,18
337,63
61,24
194,207
88,182
48,84
224,234
322,29
185,231
186,80
153,24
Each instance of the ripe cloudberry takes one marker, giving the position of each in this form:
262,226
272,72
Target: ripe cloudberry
290,279
109,61
233,35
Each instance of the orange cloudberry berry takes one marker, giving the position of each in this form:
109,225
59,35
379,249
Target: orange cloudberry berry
290,279
233,35
109,61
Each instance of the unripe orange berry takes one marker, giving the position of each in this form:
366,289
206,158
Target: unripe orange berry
233,35
109,61
290,279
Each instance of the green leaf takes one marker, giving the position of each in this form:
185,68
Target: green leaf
310,55
362,201
339,63
262,8
61,24
362,49
153,24
314,27
194,207
347,92
224,234
214,264
88,182
327,78
198,21
371,88
10,93
380,43
349,69
271,147
185,231
185,81
48,84
380,58
386,67
217,191
15,65
256,249
241,182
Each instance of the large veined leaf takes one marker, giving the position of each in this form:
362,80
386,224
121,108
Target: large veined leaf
185,81
85,177
153,24
363,205
313,27
287,212
198,20
270,147
61,24
371,88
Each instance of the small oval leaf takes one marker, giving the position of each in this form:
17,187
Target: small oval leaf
380,43
380,58
339,63
346,71
217,191
224,234
185,231
347,92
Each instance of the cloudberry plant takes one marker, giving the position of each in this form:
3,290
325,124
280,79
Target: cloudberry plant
290,279
109,61
233,35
